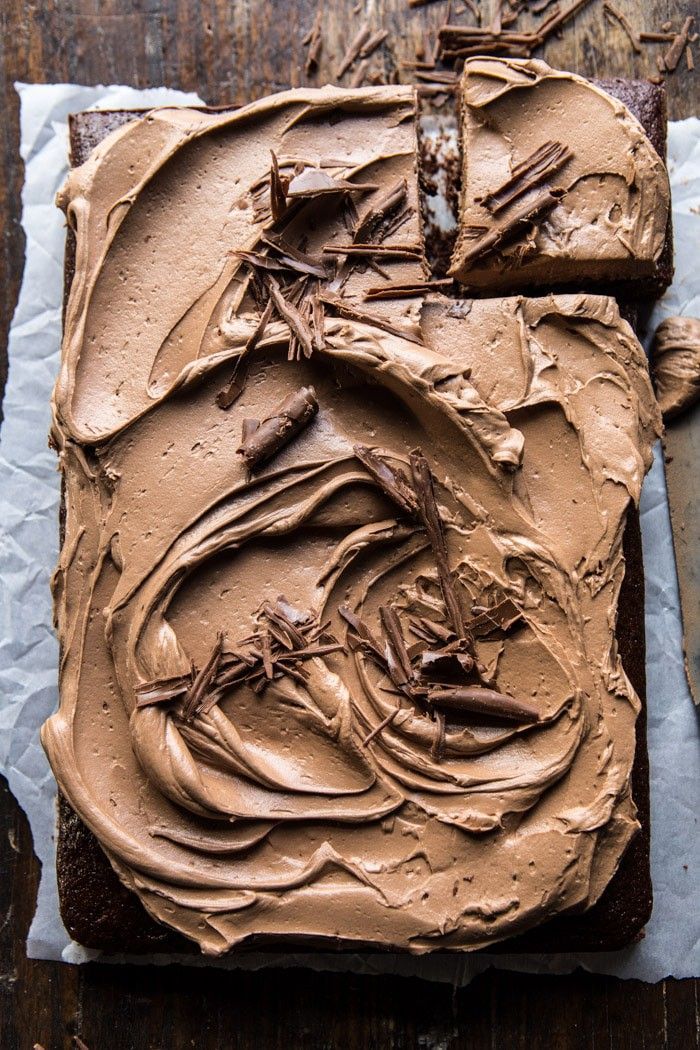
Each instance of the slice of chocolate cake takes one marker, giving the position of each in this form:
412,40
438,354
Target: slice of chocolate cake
429,741
561,184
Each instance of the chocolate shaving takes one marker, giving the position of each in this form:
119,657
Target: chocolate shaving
405,291
392,627
289,313
510,227
438,748
266,647
279,616
476,700
315,182
451,661
317,322
532,171
399,251
379,210
363,636
278,429
344,309
689,58
612,13
278,190
375,41
462,41
292,257
675,51
381,725
558,19
284,639
163,691
355,47
396,222
437,76
428,509
314,40
657,38
358,77
431,632
202,681
259,261
390,479
502,616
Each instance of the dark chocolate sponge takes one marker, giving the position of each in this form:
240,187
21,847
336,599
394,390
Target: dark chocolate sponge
99,912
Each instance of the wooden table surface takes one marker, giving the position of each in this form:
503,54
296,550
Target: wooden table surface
233,51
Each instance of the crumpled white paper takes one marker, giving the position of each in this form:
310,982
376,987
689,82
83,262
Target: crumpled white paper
29,495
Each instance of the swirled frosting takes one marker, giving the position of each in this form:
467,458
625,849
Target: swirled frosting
676,364
320,806
607,220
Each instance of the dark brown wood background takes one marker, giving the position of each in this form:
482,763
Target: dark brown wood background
233,51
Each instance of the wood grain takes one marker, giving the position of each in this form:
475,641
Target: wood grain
233,51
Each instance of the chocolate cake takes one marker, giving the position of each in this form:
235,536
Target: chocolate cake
543,153
414,754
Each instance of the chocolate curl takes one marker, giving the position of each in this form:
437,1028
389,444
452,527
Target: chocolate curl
230,394
532,171
314,41
675,51
483,702
278,190
405,291
501,616
506,230
197,692
261,441
356,45
299,329
391,480
423,484
380,210
392,626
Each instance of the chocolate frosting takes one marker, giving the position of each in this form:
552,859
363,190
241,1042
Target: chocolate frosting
608,219
325,803
676,364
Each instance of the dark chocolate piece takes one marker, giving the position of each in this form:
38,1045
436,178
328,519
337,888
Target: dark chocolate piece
535,169
262,442
481,701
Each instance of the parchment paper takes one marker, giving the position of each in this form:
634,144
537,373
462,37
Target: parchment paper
29,492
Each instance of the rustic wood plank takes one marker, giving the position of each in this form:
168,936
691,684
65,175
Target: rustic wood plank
232,51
